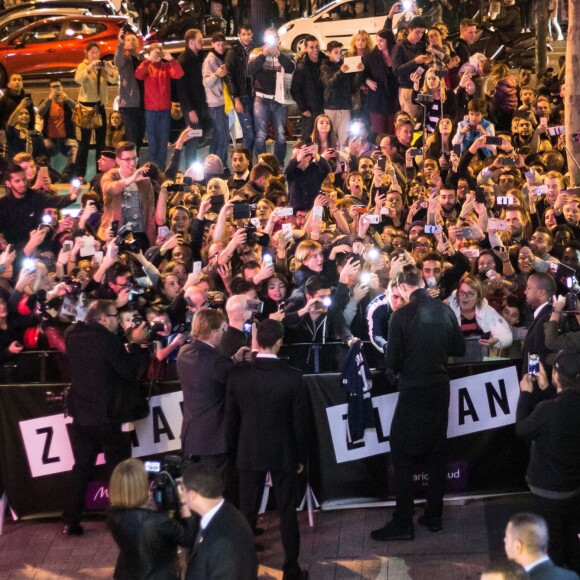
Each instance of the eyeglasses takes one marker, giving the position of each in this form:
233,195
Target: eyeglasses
466,294
127,158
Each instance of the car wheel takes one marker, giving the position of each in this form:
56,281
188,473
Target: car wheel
3,77
299,44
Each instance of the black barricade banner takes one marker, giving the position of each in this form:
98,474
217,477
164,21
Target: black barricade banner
485,456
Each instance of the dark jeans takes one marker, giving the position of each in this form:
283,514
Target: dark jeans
285,491
158,124
87,442
134,122
246,120
419,433
307,124
100,136
266,110
221,133
563,518
194,144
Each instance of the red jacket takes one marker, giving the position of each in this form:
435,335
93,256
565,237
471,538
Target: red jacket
157,81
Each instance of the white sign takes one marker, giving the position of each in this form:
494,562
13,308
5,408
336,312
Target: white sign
352,62
478,403
49,451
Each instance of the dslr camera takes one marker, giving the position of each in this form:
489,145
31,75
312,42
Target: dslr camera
126,241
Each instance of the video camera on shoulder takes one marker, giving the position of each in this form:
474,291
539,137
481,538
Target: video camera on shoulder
166,472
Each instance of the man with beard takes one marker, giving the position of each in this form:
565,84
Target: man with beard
516,220
240,84
365,168
192,98
241,157
448,203
131,105
525,131
12,97
307,88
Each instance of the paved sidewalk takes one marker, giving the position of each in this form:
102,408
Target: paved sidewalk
337,547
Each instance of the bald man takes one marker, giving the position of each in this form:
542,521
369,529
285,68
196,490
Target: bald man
235,337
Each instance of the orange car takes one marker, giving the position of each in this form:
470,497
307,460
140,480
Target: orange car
55,46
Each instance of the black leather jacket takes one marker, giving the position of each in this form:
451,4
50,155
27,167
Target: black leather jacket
238,81
147,542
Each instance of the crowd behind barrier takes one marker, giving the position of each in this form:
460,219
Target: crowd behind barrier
415,157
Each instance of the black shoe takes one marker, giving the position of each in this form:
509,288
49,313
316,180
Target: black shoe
392,531
259,532
295,575
433,524
73,530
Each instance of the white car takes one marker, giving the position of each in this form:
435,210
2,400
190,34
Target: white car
339,20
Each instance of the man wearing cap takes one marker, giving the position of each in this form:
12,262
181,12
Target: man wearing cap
551,426
105,163
213,72
408,55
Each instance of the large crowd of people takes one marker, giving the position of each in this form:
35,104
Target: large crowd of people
413,155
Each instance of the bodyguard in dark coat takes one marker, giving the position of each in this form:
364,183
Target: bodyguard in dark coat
224,549
423,334
540,288
100,369
267,413
203,373
550,426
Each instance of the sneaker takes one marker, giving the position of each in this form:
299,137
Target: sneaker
392,531
523,30
560,38
433,524
528,30
73,530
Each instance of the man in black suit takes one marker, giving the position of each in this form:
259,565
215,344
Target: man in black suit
526,542
224,548
551,427
267,414
203,373
423,334
100,368
539,292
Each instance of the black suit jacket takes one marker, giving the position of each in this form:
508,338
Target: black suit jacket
224,550
549,571
267,413
535,340
100,367
203,373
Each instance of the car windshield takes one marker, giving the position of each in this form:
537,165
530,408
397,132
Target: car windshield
323,8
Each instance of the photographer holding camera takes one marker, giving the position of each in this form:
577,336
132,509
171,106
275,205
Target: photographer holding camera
128,196
102,374
550,425
147,538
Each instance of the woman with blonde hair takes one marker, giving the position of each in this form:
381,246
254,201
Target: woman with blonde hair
443,103
147,538
360,45
476,317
